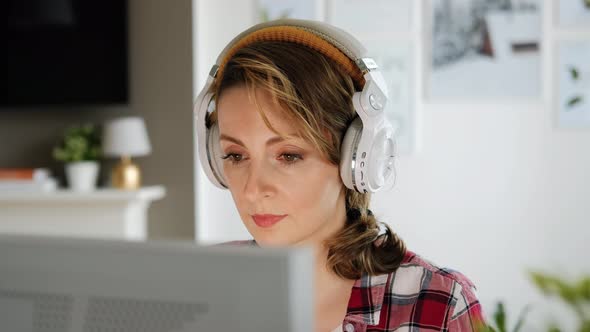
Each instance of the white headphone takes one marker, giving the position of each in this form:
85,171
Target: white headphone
368,148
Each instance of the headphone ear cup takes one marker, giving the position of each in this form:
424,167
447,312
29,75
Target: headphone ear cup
214,154
347,151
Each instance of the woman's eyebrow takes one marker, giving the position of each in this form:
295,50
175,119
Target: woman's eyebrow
231,139
271,141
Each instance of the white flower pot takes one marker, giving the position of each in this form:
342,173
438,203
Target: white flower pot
82,175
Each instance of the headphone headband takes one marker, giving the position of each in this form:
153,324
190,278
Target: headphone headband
322,37
298,35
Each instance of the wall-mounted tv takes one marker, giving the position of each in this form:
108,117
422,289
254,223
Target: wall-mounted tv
63,52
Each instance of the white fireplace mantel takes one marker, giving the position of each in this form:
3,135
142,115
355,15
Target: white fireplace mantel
104,213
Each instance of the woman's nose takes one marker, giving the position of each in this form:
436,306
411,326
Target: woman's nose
258,182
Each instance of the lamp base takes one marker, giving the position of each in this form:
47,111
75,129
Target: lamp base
126,175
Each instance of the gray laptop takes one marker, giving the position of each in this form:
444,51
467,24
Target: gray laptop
58,284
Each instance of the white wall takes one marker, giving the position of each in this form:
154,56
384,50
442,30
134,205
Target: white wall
494,190
161,92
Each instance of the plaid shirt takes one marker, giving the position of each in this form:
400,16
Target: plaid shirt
418,296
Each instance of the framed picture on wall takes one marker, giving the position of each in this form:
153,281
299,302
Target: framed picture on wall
573,13
268,10
484,49
573,80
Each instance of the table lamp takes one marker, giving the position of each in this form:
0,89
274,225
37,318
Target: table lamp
126,137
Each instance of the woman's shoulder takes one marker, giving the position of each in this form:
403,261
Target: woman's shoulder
433,283
441,276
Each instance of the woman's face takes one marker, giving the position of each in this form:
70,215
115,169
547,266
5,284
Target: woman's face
285,191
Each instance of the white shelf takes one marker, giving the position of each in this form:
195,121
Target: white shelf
104,213
63,195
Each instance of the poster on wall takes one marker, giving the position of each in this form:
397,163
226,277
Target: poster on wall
574,13
574,85
268,10
485,49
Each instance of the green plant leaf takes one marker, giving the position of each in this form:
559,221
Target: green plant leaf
79,143
541,282
574,73
566,292
59,154
574,101
583,288
483,327
553,286
500,317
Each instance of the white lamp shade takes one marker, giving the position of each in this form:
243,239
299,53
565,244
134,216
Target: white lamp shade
126,137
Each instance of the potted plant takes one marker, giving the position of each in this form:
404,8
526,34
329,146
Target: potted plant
574,294
80,150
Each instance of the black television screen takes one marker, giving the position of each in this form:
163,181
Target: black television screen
63,52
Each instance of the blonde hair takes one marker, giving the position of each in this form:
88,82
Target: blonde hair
316,94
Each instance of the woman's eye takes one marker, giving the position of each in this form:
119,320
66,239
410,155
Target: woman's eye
290,158
233,157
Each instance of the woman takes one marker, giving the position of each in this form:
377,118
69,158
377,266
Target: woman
277,139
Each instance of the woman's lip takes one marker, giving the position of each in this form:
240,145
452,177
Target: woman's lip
267,220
